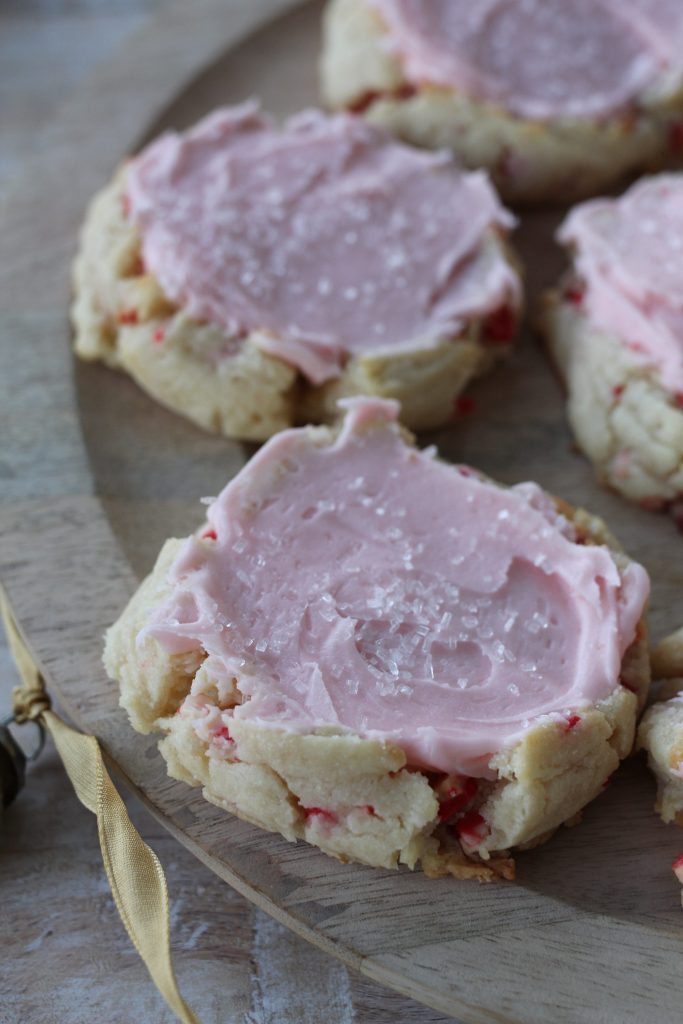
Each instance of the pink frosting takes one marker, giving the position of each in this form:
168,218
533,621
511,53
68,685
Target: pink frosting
629,253
538,58
366,585
325,237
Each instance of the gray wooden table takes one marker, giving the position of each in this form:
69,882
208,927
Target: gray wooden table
64,954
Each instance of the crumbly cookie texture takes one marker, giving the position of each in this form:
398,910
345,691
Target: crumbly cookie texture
661,729
661,735
355,798
230,386
529,161
630,428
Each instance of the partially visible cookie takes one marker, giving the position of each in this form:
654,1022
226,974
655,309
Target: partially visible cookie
661,735
614,328
248,276
557,99
661,730
395,659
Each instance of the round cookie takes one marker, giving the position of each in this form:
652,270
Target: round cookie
614,330
249,276
556,99
391,658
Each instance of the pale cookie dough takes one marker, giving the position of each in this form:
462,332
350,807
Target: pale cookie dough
358,797
531,159
661,729
247,384
627,424
661,735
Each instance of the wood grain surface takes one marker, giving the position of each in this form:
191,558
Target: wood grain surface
95,476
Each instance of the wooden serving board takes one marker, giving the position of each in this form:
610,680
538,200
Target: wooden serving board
94,476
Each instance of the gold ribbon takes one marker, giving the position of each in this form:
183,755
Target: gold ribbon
135,874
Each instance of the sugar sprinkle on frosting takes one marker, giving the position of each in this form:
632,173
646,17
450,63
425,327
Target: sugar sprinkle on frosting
324,238
628,253
363,584
579,58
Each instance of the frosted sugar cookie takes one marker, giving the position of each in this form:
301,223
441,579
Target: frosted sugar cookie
556,98
392,658
248,275
615,330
